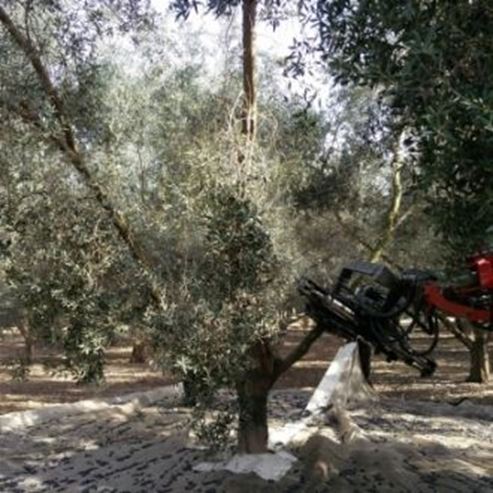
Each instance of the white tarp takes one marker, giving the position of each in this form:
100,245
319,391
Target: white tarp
130,403
333,385
342,381
267,466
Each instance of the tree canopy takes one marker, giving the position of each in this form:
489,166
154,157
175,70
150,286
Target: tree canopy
182,210
434,63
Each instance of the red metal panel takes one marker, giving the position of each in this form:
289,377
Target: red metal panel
484,267
434,297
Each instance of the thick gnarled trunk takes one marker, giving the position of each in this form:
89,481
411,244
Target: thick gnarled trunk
253,434
253,390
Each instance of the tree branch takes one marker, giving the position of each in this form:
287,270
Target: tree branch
282,365
361,241
34,58
249,93
393,211
67,144
461,336
406,214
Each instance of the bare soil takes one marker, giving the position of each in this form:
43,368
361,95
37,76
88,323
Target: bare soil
397,380
43,387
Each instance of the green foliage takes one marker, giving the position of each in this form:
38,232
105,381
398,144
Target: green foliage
84,351
223,240
239,251
213,422
18,368
435,61
359,142
272,10
61,259
58,249
226,305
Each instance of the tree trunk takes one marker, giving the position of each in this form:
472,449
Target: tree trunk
393,217
480,361
28,340
393,211
140,352
249,93
253,434
253,390
189,390
248,110
365,353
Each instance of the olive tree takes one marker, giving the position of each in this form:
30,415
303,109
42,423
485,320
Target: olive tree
433,61
230,308
53,127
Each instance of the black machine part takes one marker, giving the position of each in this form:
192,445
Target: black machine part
368,302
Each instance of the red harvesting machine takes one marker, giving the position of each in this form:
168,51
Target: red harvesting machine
372,303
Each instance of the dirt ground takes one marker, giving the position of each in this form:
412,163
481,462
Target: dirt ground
45,387
390,379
